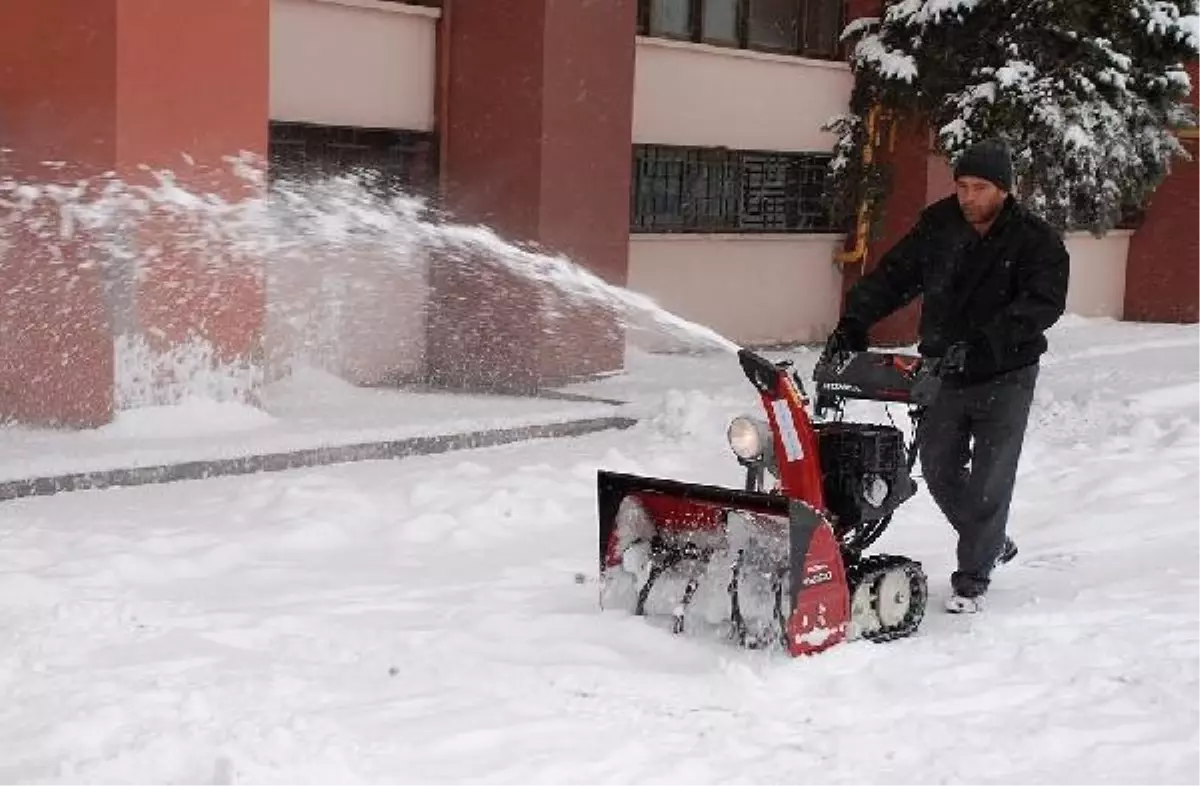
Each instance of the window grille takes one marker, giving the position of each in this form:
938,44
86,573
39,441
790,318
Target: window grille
717,190
397,159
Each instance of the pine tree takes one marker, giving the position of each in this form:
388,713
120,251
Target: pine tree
1088,94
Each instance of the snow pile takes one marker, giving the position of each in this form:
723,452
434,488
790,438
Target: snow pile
305,386
293,417
686,414
149,377
191,417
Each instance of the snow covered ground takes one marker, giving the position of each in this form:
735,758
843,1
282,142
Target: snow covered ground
422,620
310,409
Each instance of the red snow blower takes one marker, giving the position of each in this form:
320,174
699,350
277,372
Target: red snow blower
785,565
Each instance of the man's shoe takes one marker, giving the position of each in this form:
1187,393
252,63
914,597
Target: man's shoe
973,604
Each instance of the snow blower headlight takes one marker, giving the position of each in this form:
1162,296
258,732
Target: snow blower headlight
748,438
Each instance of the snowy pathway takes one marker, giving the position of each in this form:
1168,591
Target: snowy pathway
307,411
422,620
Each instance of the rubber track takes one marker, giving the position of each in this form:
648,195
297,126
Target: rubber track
868,569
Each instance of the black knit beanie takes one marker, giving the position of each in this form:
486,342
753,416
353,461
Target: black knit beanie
990,160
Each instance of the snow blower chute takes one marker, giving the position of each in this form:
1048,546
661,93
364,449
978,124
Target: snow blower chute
783,565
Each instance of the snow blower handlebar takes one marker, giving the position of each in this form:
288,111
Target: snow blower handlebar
871,376
878,376
874,376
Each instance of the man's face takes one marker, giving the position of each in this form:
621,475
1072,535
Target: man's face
979,199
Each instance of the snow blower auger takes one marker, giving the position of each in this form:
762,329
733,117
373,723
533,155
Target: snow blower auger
780,566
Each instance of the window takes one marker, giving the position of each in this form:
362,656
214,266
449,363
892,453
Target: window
720,22
775,25
697,189
809,28
671,18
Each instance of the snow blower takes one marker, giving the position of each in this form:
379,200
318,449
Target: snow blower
780,562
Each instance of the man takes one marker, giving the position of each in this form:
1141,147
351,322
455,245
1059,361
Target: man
994,278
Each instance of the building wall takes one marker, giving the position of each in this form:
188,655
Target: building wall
1164,277
1097,285
353,63
360,316
58,98
759,290
538,107
694,94
1164,280
755,289
367,64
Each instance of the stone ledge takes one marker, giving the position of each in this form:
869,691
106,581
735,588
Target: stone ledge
309,457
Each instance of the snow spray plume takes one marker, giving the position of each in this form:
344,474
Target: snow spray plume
330,225
343,210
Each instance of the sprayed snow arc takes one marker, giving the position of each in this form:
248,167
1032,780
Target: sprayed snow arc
421,621
343,222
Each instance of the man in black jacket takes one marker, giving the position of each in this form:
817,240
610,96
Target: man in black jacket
994,278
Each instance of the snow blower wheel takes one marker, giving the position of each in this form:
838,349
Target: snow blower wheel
889,595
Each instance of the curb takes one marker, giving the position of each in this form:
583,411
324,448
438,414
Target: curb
298,459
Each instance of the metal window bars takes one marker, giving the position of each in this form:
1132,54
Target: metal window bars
717,190
393,159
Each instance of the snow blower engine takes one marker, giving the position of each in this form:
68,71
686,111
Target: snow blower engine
780,563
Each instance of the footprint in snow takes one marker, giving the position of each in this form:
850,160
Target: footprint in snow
1059,561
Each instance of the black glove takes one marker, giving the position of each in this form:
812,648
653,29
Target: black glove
954,361
849,336
973,359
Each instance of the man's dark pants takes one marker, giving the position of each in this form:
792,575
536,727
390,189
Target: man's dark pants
982,426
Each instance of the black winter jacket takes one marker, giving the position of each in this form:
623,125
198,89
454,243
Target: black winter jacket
998,292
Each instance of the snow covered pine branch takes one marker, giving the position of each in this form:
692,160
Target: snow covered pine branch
1088,94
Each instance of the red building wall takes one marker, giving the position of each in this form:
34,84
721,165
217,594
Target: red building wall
176,95
58,97
109,85
905,149
524,154
1162,279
